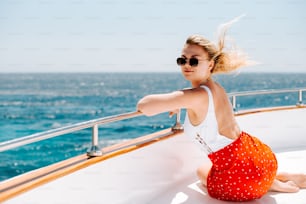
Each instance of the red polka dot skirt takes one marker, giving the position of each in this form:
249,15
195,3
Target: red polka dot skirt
241,171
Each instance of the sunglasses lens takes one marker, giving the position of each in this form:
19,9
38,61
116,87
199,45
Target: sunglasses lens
180,61
193,62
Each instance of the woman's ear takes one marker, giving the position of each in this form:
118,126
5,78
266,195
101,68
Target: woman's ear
211,65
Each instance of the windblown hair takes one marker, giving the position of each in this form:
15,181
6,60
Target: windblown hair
226,59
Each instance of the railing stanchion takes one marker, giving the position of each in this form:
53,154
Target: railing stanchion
178,126
300,102
95,150
234,103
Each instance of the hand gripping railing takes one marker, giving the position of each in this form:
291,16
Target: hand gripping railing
95,150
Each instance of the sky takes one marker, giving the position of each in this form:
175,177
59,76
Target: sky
145,35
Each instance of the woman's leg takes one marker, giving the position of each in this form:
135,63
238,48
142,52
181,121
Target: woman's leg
285,187
288,182
203,171
298,179
284,182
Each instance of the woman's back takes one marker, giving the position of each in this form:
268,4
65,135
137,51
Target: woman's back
224,113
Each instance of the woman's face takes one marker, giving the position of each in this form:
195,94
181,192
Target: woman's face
200,72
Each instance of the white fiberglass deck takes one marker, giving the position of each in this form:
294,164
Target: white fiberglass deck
164,172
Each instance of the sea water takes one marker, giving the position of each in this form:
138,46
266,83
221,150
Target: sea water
36,102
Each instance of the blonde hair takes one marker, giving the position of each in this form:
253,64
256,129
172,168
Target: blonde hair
226,59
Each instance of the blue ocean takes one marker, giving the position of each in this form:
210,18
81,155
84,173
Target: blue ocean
35,102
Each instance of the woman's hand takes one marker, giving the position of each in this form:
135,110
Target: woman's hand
172,113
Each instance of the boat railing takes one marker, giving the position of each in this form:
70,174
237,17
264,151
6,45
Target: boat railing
234,95
95,150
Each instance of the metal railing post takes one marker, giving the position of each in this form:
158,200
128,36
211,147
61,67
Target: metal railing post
95,150
234,103
300,102
178,126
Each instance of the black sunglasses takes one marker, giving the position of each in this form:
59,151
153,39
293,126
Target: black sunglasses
193,62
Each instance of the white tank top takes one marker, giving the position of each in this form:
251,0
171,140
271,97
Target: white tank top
207,134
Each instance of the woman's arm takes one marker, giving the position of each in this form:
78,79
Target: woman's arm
159,103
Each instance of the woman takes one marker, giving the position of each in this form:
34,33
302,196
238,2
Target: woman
242,168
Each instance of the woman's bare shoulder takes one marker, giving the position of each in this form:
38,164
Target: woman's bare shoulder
219,88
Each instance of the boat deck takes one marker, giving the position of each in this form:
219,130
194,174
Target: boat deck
164,172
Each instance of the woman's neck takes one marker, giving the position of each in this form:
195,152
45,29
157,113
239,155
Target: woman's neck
199,83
